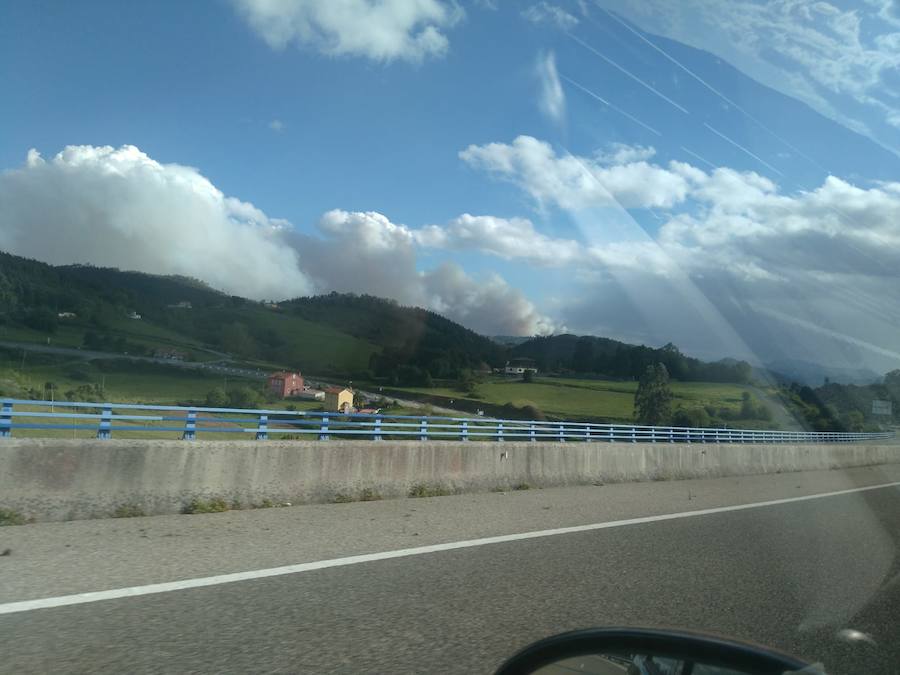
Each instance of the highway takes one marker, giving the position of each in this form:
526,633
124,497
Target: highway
715,555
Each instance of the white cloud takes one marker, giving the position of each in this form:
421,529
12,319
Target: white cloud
489,305
366,252
571,182
119,207
277,126
383,30
808,49
734,246
552,99
511,239
546,12
620,153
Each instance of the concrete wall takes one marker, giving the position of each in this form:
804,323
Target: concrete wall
48,479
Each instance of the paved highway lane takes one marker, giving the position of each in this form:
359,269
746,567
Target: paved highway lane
790,574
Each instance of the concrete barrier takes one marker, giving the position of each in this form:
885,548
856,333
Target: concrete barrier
44,479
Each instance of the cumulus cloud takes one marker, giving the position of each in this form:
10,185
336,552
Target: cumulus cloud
361,252
736,259
552,99
508,238
546,12
489,304
118,207
383,30
621,153
366,252
572,182
277,126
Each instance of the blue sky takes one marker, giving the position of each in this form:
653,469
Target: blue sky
716,176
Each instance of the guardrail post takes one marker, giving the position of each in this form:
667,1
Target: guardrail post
633,435
671,435
612,434
499,432
190,426
587,433
105,430
423,430
323,429
653,434
377,431
562,433
531,436
262,429
465,431
6,420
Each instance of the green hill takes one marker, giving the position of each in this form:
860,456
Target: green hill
588,355
357,336
177,315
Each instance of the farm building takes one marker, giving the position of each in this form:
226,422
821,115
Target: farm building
519,367
338,399
285,384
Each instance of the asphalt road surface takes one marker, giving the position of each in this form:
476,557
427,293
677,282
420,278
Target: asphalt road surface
791,574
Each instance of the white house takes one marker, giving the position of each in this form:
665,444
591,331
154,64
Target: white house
519,367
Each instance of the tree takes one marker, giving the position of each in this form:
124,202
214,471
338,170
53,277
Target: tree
467,382
748,410
528,376
583,358
237,340
216,398
653,398
244,397
694,417
892,382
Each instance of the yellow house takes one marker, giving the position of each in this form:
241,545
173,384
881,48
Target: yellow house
338,399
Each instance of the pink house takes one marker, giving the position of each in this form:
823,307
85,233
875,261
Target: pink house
285,384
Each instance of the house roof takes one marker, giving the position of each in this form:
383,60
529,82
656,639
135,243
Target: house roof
337,390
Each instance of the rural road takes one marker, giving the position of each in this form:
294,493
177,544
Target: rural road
88,354
789,574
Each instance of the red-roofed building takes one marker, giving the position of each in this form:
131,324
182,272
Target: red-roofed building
285,384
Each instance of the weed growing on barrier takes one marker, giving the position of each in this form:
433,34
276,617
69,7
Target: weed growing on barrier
214,505
424,490
129,511
10,517
522,486
342,498
369,495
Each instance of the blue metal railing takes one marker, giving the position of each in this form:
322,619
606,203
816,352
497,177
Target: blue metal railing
108,418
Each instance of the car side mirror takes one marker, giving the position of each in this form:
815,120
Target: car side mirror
640,651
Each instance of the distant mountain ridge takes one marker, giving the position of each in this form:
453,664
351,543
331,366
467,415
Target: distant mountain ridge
344,334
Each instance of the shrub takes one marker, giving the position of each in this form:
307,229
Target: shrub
214,505
424,490
10,517
129,511
693,417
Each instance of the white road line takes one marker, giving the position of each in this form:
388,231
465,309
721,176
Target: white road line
185,584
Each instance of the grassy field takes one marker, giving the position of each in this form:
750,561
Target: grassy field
122,381
584,399
311,346
317,347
